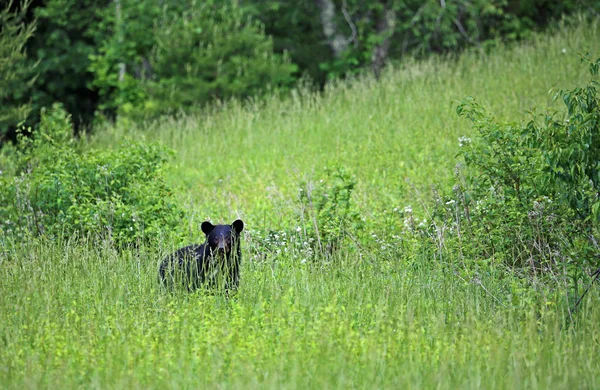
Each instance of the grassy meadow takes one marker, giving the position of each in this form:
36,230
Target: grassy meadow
82,314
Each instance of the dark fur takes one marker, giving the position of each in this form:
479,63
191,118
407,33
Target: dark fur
216,263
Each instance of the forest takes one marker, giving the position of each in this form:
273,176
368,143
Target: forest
103,59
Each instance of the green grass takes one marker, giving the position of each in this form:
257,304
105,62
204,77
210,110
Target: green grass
82,314
87,316
247,159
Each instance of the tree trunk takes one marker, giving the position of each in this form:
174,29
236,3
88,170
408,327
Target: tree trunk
335,40
385,29
119,28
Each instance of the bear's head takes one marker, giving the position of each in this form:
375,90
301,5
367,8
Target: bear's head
222,239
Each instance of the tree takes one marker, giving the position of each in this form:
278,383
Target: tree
335,39
68,33
220,52
16,74
384,29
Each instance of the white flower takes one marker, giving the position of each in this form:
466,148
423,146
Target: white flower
564,50
462,141
451,202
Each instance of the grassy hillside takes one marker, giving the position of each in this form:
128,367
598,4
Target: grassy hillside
84,314
240,160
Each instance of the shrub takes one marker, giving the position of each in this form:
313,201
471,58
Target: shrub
200,52
531,195
54,189
327,214
219,54
326,218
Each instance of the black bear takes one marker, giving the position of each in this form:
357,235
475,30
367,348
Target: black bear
216,263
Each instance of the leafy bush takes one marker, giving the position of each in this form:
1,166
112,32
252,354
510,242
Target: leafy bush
327,214
326,217
54,189
531,195
121,61
219,54
198,53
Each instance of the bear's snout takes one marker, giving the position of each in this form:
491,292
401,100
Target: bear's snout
222,245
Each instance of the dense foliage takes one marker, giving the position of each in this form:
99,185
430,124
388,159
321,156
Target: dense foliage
527,196
15,71
191,56
67,33
49,187
145,58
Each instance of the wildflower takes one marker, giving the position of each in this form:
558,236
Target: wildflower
462,141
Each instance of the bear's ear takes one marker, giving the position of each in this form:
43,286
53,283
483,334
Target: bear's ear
238,225
207,227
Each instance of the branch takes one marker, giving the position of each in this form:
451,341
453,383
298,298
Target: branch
350,23
335,40
463,32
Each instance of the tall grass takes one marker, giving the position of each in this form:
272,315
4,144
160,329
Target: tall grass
242,158
83,314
